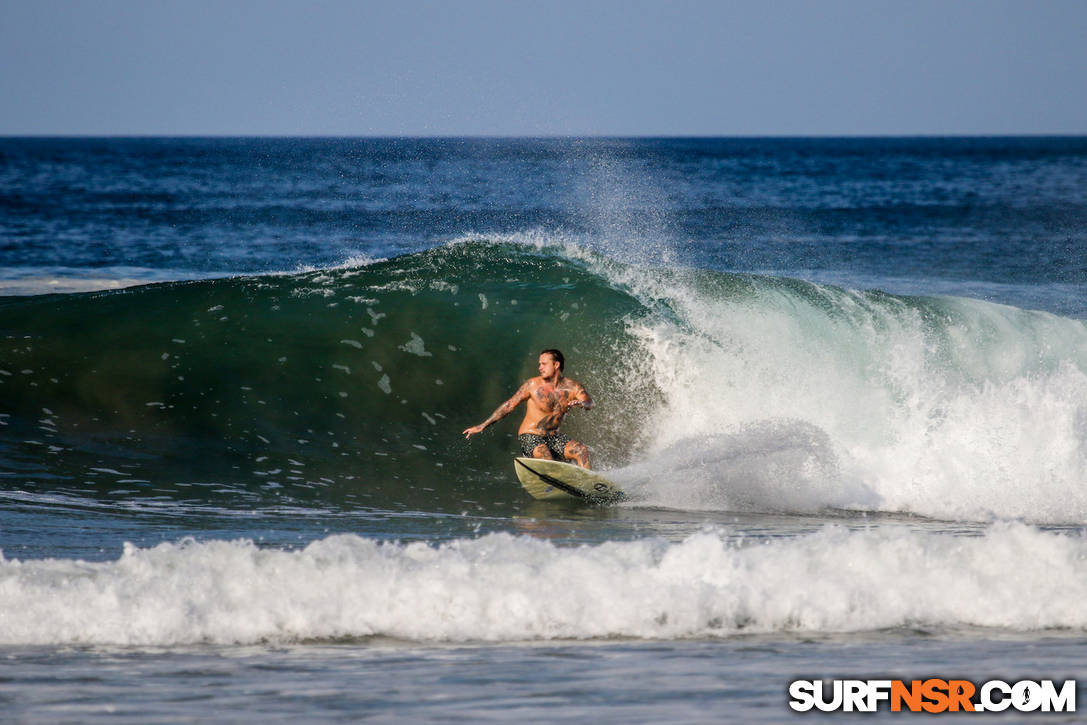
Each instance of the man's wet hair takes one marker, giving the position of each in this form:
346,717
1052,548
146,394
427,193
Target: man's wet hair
556,356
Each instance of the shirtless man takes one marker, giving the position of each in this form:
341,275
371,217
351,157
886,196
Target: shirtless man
548,397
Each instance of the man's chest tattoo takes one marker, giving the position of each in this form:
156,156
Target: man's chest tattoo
549,398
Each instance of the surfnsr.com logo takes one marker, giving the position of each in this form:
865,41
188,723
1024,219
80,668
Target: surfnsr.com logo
932,695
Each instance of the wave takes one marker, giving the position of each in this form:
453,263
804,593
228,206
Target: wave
504,588
352,382
811,395
715,391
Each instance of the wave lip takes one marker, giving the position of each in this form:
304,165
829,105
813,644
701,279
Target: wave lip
500,588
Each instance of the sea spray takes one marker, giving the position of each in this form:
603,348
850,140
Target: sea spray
815,395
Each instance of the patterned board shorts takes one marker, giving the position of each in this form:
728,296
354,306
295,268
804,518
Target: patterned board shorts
556,443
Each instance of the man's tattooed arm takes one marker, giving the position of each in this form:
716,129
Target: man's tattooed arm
501,412
582,398
506,408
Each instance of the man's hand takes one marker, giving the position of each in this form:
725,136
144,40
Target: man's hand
586,402
469,432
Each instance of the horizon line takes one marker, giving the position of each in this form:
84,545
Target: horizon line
542,137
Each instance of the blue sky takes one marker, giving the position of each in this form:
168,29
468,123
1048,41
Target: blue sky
593,67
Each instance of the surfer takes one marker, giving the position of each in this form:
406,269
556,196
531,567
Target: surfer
549,397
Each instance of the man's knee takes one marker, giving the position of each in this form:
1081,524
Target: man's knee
575,450
541,451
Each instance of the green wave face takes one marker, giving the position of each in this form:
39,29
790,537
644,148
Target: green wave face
351,382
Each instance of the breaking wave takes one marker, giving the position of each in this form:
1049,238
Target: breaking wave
715,391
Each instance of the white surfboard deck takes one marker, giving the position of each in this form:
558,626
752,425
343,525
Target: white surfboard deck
557,481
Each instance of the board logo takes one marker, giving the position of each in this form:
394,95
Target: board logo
932,695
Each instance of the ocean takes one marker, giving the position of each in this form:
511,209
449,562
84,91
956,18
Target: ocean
843,381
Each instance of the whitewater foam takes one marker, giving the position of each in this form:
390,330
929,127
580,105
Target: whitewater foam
945,407
504,588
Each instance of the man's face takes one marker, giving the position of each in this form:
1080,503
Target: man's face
549,367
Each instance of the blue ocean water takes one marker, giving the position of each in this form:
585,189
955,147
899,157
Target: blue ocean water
843,380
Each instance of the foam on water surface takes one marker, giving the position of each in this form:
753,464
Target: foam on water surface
501,588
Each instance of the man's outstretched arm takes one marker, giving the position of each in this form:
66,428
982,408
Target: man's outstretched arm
500,412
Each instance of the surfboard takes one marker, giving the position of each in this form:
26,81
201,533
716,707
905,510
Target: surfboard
557,481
